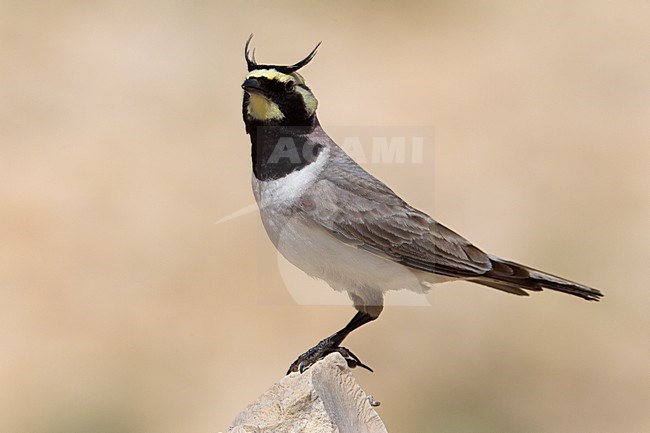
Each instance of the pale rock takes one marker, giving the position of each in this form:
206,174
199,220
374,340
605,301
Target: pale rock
324,399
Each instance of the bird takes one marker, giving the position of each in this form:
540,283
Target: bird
336,222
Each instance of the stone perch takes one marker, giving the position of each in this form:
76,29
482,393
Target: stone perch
324,399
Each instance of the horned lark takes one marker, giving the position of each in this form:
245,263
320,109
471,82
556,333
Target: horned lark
335,221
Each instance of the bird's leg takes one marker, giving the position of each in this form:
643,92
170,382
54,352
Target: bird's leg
331,344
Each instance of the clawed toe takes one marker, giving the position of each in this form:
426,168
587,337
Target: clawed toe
320,351
352,359
332,344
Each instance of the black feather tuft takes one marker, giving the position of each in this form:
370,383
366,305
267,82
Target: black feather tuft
252,64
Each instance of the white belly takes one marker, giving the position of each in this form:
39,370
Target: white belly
319,254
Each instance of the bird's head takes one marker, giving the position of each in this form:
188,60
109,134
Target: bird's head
277,95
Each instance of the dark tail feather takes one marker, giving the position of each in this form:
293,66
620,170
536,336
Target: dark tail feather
515,278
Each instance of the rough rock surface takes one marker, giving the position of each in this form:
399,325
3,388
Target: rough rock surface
324,399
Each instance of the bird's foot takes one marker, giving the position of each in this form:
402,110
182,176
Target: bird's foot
320,351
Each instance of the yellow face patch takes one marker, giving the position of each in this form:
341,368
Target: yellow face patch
261,108
272,74
310,102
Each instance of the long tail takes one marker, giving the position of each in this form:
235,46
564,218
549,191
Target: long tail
516,279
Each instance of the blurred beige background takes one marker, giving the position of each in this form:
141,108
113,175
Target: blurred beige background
124,307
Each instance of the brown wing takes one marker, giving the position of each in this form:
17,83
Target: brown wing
361,211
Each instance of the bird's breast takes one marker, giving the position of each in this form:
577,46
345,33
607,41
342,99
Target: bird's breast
311,247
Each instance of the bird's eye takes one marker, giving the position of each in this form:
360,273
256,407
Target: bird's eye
289,86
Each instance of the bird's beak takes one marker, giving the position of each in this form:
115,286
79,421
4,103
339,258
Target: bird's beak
252,85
